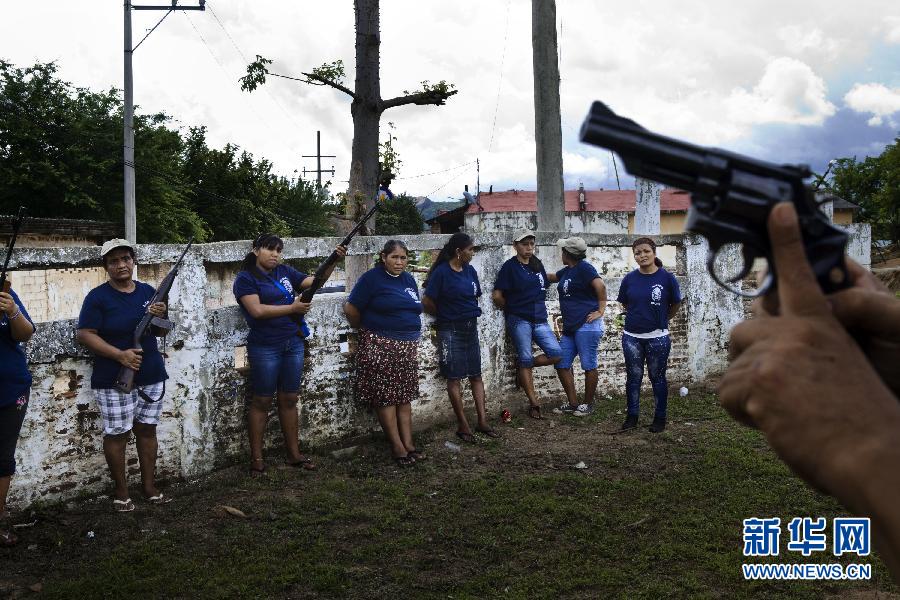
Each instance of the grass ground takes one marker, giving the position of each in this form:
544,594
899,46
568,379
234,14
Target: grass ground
651,516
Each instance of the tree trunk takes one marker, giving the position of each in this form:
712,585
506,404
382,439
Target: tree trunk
366,111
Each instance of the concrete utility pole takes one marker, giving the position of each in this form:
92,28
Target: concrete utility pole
128,109
646,206
318,156
551,208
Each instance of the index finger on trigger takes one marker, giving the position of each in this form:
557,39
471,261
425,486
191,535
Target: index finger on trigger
798,291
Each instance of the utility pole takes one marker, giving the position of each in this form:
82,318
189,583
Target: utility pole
128,126
551,208
318,156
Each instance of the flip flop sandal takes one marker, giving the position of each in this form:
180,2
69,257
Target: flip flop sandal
488,432
534,412
159,499
417,455
304,463
123,506
466,437
404,461
8,539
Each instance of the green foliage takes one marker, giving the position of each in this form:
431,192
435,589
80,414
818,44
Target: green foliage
256,74
60,154
399,215
873,184
333,72
388,155
441,88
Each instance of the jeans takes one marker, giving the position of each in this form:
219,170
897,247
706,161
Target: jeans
584,343
460,352
278,366
523,332
655,351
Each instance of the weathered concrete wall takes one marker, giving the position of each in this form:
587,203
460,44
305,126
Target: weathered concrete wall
576,222
203,410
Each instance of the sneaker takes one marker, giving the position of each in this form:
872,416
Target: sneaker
657,426
583,410
566,409
631,421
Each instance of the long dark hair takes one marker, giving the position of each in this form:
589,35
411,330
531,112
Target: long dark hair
534,263
457,241
652,244
390,246
269,241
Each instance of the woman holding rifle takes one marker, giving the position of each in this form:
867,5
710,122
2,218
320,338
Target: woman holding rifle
109,316
265,290
15,382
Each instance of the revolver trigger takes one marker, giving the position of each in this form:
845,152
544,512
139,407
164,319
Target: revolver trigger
747,256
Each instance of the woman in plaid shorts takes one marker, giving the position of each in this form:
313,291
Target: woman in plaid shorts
106,325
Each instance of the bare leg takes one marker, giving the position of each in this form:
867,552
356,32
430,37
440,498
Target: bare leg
7,537
114,451
4,489
542,360
454,391
567,379
257,415
387,416
290,425
477,385
590,385
147,447
404,424
527,381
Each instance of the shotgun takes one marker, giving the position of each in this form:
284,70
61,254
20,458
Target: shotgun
17,224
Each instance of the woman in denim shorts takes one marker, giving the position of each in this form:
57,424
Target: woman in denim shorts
520,290
582,302
452,290
266,291
15,382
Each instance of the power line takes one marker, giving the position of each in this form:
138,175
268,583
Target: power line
445,183
500,81
435,172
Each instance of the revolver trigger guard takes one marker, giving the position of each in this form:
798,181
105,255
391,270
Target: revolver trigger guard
730,284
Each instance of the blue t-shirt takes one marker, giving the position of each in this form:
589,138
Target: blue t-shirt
280,329
577,298
524,290
115,315
455,293
15,379
389,305
648,298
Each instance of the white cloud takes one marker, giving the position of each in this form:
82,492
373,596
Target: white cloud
874,98
892,29
788,92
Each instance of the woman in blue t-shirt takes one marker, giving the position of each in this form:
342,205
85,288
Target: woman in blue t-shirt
384,305
109,315
582,302
452,290
520,291
15,382
268,294
650,296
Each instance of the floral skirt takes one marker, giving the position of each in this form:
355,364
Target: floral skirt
387,370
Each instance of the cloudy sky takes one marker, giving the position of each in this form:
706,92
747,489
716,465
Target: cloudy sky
799,81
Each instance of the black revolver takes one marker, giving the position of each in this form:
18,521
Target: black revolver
731,196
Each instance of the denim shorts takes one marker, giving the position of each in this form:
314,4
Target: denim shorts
584,343
276,367
524,332
459,350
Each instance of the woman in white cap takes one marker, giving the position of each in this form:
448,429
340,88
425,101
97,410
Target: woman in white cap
520,290
109,315
582,302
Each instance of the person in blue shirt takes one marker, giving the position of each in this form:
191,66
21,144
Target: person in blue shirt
15,383
109,315
520,291
452,290
385,306
265,291
650,296
582,302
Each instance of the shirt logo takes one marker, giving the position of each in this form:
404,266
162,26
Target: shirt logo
287,285
412,294
474,289
566,286
656,294
540,277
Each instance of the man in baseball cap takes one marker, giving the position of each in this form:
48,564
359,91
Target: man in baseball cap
573,245
113,244
521,234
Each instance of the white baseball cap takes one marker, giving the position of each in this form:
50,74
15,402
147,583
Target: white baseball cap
521,234
115,243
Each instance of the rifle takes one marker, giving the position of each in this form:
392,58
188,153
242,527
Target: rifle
731,196
319,277
125,379
17,224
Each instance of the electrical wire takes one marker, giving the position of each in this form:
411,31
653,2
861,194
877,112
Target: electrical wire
500,81
434,172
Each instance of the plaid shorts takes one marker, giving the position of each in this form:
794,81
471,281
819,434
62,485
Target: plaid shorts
120,410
